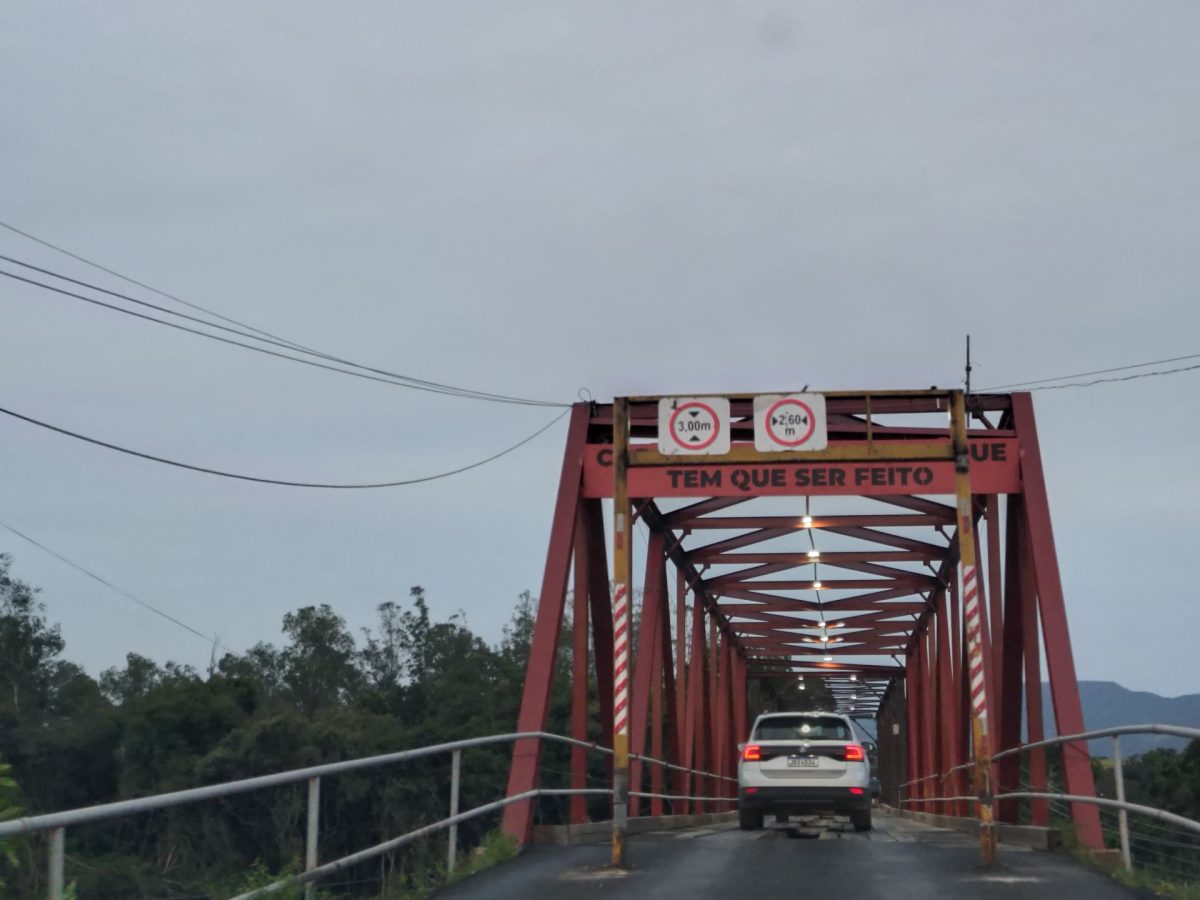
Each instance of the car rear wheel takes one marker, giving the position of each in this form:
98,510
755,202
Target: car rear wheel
750,820
861,819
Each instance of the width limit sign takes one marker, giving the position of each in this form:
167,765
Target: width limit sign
790,422
693,426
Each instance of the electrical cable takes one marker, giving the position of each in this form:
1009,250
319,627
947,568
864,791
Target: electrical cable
408,381
1085,384
208,639
199,308
1156,362
393,378
95,265
275,481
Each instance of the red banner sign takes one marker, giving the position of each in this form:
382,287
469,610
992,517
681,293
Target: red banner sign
994,470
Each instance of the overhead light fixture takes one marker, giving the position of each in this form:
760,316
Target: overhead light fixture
814,554
828,659
806,521
854,678
816,585
835,624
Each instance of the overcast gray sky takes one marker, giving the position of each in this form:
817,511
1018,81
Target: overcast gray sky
532,198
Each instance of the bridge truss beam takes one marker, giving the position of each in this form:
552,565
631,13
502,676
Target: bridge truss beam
898,649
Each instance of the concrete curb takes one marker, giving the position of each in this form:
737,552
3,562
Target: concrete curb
1031,836
601,832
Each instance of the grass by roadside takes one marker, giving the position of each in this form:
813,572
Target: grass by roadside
1143,879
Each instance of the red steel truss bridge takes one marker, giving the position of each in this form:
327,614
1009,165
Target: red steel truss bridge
908,561
895,545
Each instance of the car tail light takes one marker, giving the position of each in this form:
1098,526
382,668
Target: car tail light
854,753
752,752
856,790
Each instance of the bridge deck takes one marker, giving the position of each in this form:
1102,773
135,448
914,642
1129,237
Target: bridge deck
900,859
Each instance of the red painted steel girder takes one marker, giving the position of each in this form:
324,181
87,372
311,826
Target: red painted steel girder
917,504
819,523
868,568
643,412
702,508
883,619
788,667
845,584
865,603
742,540
748,593
884,592
826,558
891,540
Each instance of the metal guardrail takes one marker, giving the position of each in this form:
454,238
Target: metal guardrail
1123,808
57,823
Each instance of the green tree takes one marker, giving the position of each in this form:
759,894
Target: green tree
29,648
147,727
138,677
8,810
318,666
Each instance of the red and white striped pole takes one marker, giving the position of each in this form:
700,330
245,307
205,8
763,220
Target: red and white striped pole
622,572
973,616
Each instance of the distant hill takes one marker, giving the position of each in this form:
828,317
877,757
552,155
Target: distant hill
1106,704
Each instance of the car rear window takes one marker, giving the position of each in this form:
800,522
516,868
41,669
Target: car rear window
809,728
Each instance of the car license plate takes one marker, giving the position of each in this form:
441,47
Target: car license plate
802,762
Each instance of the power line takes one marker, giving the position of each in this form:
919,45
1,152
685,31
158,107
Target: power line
261,336
1084,384
299,484
431,387
1156,362
95,265
210,640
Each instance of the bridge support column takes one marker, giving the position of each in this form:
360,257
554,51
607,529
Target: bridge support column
682,741
656,720
1034,727
1060,663
668,717
648,655
579,671
600,603
995,598
948,709
912,689
539,673
1012,654
711,713
698,706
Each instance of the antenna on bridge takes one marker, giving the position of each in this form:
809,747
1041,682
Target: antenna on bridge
968,365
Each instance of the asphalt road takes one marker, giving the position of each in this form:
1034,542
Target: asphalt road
899,860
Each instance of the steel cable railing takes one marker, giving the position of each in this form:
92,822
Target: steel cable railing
1120,805
57,823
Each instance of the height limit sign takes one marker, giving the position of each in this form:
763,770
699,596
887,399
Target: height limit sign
693,425
790,422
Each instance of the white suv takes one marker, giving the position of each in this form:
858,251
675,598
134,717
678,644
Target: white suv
803,762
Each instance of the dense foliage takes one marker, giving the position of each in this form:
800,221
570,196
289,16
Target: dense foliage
1161,779
324,695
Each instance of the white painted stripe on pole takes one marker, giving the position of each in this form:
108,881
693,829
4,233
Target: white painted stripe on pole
621,659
